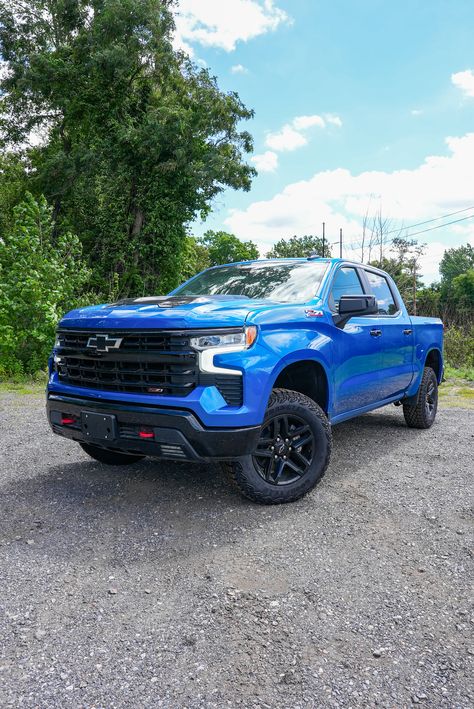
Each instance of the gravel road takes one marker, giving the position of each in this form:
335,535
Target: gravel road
157,585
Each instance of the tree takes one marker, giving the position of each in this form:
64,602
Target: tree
40,278
13,179
195,258
463,290
137,140
455,262
299,247
227,248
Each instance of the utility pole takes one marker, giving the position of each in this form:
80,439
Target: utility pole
324,239
415,268
340,242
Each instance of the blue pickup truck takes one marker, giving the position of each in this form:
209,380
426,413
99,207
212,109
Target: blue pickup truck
250,364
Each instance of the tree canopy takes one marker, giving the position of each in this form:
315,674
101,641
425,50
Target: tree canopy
455,262
299,247
133,141
227,248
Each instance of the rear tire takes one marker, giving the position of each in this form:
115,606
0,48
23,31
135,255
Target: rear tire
422,414
292,454
109,457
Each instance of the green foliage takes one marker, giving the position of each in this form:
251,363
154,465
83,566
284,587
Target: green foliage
227,248
429,301
194,259
40,278
455,262
453,298
13,179
466,373
463,290
299,247
138,140
459,347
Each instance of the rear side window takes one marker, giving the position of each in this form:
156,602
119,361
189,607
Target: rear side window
346,282
380,288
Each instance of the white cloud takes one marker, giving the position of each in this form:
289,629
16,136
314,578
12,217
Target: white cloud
464,80
286,139
334,120
223,23
304,122
439,185
238,69
291,136
266,162
416,112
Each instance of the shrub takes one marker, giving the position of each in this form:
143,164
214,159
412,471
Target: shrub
40,277
459,347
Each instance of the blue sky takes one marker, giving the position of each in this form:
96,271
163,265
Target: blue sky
358,105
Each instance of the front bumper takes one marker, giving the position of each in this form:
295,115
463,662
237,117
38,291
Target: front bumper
177,434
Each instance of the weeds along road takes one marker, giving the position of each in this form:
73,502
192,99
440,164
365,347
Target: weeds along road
157,585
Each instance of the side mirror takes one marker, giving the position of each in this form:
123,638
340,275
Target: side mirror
351,306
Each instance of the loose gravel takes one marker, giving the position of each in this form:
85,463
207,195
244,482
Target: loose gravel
157,585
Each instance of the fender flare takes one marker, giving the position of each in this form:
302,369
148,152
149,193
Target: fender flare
293,358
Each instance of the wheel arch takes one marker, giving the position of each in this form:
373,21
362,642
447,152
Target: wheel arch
296,376
434,359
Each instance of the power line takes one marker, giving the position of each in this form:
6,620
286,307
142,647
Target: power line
440,226
358,244
428,221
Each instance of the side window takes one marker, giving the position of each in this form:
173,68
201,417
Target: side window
346,282
380,288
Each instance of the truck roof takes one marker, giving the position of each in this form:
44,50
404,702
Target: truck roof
302,259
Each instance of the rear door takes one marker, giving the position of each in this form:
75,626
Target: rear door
396,338
357,349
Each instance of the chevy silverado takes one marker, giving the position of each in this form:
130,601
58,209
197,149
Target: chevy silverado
248,363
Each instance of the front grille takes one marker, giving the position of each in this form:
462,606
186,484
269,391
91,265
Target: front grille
160,362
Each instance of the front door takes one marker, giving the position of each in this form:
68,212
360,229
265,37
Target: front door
357,349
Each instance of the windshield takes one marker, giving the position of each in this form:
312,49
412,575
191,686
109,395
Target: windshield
285,281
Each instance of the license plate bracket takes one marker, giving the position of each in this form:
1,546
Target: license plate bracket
100,427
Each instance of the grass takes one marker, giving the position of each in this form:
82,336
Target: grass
462,373
456,391
22,388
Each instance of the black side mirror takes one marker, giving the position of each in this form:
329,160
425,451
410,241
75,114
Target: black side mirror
351,306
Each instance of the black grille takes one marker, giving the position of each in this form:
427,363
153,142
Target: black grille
160,363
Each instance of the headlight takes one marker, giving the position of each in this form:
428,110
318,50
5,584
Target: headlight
243,339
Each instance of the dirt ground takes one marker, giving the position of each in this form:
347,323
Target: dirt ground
157,585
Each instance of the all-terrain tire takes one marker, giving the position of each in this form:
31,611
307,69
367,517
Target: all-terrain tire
109,457
423,413
290,406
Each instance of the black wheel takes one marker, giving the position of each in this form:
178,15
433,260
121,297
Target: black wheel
423,413
292,454
109,457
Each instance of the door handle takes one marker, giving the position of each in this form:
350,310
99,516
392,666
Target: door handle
376,333
407,331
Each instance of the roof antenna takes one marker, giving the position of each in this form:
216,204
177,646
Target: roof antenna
314,255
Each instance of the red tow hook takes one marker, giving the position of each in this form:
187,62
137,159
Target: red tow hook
67,421
146,434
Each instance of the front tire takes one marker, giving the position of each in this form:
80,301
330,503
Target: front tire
109,457
423,413
292,454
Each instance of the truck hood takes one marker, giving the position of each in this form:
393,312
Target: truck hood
167,312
